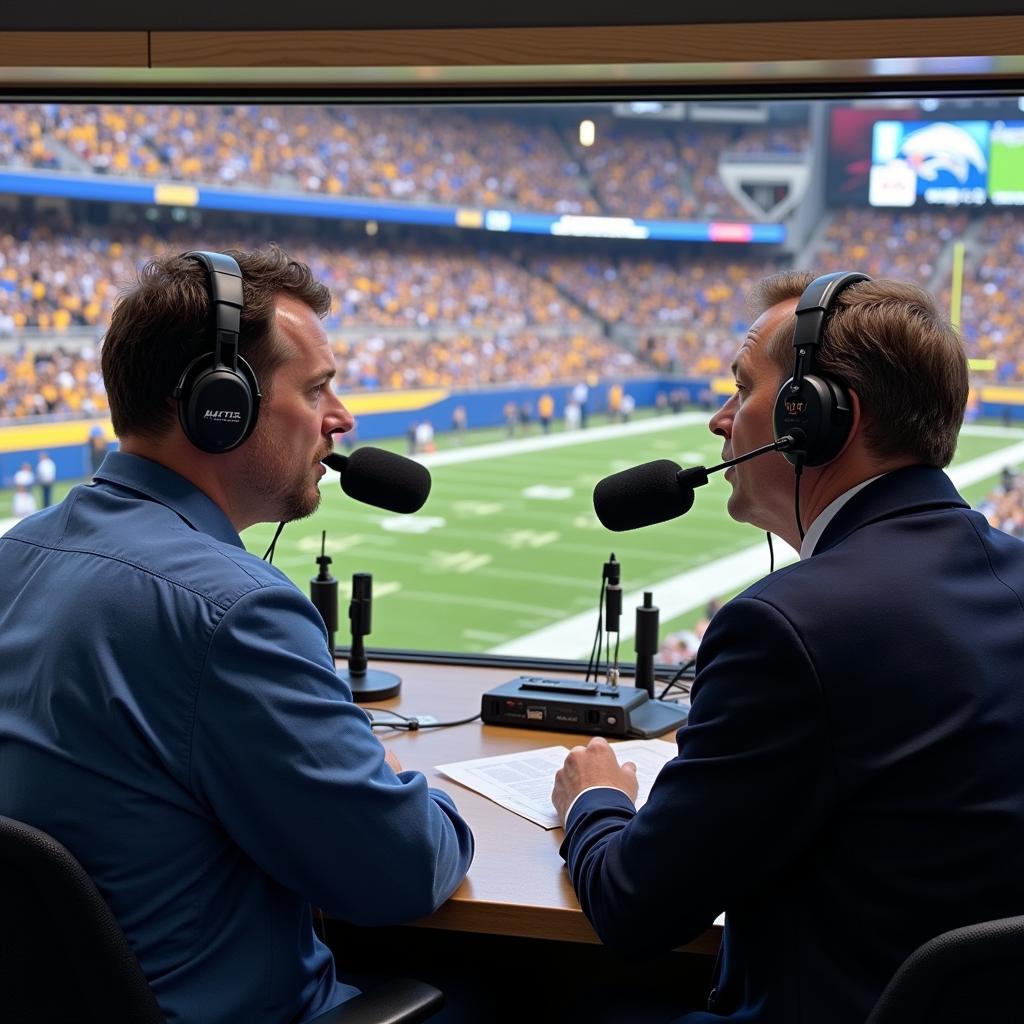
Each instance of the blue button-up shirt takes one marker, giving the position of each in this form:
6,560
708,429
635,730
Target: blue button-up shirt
169,711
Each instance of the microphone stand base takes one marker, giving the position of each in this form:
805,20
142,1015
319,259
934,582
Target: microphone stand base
652,718
371,685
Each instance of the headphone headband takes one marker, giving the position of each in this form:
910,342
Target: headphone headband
225,278
812,310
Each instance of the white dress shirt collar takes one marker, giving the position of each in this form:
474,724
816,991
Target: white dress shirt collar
817,528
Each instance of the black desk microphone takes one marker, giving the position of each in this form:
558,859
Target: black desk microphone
645,643
367,684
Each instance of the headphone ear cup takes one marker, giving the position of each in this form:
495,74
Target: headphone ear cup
217,406
835,428
820,409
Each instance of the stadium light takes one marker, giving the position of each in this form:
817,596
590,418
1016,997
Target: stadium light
587,133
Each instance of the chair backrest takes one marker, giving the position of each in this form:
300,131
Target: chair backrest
63,956
966,975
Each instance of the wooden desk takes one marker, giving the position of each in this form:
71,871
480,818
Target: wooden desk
517,885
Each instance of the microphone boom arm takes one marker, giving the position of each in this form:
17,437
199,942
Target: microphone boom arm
783,444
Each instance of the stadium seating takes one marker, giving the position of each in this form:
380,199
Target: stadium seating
430,312
521,159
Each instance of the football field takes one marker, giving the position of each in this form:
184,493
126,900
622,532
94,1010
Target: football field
506,554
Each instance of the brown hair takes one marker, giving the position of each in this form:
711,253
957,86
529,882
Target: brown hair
162,323
887,341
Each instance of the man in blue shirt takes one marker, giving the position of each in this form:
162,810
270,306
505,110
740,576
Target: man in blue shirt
169,708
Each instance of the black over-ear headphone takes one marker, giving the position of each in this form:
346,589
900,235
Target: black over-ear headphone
218,395
813,408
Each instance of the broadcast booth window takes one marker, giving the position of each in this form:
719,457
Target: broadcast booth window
525,297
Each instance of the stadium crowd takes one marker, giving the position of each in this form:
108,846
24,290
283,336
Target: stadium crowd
63,275
23,141
415,313
407,316
1003,507
700,150
636,172
777,139
683,313
992,294
517,159
902,245
670,172
372,152
53,382
918,246
463,360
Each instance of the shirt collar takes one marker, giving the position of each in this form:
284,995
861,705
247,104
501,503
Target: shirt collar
817,528
163,485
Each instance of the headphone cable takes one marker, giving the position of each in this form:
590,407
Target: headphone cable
796,498
405,723
675,681
268,555
594,661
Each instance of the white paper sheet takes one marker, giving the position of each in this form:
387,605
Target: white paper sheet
522,782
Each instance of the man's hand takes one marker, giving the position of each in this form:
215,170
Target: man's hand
592,765
396,765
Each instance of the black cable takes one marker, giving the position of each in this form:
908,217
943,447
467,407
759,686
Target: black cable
595,648
407,724
268,555
684,690
674,681
796,499
771,554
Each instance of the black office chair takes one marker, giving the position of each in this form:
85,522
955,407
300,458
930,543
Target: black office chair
964,976
63,956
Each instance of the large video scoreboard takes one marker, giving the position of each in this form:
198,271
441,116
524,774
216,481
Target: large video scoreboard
891,159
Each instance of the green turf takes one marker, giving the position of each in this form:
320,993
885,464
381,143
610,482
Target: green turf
508,543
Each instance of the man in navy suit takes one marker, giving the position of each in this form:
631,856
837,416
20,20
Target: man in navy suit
851,780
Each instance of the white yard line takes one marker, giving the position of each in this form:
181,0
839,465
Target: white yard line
983,430
968,473
573,636
563,439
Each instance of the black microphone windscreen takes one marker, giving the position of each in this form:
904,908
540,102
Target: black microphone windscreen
383,479
641,496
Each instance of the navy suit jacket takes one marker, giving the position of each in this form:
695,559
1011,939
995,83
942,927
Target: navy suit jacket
851,780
